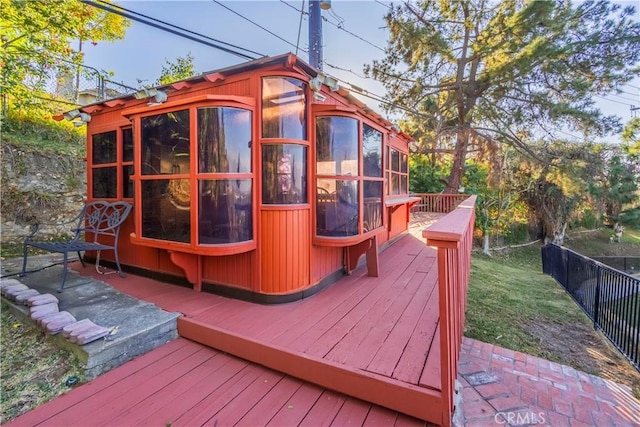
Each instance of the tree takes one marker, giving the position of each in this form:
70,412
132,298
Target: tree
482,73
556,190
181,69
36,37
631,138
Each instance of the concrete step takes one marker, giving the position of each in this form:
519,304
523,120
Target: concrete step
135,327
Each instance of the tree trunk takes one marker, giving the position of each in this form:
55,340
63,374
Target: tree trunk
457,169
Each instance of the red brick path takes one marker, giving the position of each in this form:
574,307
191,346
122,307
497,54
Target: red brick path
504,387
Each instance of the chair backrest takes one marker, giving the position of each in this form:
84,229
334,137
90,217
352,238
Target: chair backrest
104,218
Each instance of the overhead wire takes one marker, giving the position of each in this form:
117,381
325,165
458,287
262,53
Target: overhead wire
299,29
180,28
169,30
257,25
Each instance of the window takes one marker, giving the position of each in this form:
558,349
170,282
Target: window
127,163
284,174
221,188
284,108
397,173
104,170
225,208
372,185
337,166
166,188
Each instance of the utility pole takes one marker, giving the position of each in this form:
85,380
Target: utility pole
315,31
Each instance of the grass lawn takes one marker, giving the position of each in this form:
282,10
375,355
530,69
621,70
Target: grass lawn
513,305
33,369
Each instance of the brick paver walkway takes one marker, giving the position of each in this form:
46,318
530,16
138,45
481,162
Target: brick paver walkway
504,387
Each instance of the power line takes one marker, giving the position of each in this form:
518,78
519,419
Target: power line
338,26
258,25
181,28
613,100
341,27
301,11
299,29
169,30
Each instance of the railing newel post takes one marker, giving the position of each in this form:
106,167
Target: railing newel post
596,303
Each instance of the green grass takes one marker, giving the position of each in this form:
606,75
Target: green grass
35,370
508,292
37,132
511,303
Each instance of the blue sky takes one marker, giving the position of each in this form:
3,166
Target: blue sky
140,56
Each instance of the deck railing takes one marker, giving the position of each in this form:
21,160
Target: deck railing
611,298
436,202
452,235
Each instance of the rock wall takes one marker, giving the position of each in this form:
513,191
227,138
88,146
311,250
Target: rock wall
49,189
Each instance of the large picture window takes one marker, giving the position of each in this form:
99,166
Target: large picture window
166,203
224,176
221,187
284,108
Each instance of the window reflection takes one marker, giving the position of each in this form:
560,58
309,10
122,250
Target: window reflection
398,173
127,145
284,108
372,151
337,146
103,147
372,215
127,184
225,211
224,140
337,207
166,214
284,174
104,182
165,143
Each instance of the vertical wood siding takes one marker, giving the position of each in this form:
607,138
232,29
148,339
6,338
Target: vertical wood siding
232,270
324,261
284,246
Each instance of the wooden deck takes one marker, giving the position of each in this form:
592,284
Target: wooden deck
370,338
186,384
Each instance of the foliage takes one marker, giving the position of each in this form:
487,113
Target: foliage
34,370
33,129
426,176
631,137
36,37
556,192
478,74
181,69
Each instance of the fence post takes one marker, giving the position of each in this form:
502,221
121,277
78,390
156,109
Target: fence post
596,303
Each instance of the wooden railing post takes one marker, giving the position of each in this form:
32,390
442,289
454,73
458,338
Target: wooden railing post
452,236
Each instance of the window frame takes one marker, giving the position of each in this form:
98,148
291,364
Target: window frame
194,176
341,241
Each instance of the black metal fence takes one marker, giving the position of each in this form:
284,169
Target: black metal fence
608,296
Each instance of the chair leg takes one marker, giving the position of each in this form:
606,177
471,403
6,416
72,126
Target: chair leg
64,271
98,263
115,253
24,260
81,260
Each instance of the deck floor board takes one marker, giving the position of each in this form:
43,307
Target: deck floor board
381,329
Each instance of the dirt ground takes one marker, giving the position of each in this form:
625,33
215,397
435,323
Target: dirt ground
585,349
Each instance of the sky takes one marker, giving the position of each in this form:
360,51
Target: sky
354,35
